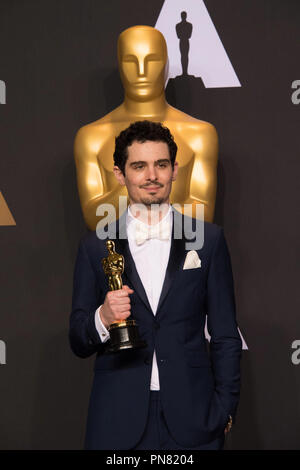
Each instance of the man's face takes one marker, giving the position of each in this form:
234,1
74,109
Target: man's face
148,173
142,61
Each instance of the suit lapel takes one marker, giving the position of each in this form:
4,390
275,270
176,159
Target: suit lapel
176,258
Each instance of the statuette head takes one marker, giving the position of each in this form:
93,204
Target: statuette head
142,57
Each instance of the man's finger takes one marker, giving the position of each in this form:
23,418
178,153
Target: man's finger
123,308
120,293
121,301
128,288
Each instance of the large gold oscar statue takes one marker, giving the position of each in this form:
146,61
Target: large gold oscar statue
142,57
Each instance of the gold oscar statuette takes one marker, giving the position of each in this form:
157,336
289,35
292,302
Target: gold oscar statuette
123,333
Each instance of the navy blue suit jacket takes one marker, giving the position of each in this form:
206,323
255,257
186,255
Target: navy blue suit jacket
199,387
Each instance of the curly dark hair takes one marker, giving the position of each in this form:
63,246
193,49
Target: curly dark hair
141,131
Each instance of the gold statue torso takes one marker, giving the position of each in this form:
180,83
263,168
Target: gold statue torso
197,143
113,266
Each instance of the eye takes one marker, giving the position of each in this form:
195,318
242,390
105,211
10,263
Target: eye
129,58
154,57
162,164
138,167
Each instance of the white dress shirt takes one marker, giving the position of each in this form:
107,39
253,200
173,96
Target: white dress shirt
151,259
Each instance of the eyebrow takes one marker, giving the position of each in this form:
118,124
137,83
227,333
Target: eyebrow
151,56
161,160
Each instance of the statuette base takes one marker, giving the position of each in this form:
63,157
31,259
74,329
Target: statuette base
124,335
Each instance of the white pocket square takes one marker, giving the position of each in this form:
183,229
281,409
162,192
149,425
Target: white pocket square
192,260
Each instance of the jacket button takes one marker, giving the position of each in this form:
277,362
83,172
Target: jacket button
147,361
156,325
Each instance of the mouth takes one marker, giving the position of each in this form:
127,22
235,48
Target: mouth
141,84
152,188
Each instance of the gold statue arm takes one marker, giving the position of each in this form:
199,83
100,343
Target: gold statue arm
203,178
92,187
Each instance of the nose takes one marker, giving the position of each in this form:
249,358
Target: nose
151,173
141,68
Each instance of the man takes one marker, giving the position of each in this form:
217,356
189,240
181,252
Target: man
171,394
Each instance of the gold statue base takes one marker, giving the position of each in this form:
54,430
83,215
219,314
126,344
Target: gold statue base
124,335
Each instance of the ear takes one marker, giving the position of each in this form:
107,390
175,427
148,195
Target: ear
175,171
119,175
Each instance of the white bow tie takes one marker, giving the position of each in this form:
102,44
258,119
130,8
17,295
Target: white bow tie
144,232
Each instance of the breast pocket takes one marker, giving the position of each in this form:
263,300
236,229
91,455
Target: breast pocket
193,278
193,272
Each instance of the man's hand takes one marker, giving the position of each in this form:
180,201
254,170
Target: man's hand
116,306
229,425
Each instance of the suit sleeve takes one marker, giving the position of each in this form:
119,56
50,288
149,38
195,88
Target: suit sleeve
87,296
225,344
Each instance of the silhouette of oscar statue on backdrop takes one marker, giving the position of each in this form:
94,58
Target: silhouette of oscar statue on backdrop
184,32
180,89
